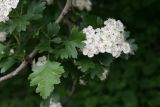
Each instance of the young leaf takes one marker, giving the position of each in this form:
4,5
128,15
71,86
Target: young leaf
45,77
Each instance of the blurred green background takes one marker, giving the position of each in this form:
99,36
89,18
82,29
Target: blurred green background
131,83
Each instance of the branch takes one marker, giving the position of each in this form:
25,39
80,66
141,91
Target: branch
21,67
66,20
65,10
73,88
28,60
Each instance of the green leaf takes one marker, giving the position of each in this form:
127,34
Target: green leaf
45,77
98,70
35,10
53,29
57,40
20,23
69,51
70,47
92,20
7,27
105,59
44,46
76,35
2,48
85,64
91,101
129,98
6,64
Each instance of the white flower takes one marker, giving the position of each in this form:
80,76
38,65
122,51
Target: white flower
116,51
3,36
24,51
2,52
88,52
82,82
11,51
6,7
126,48
52,104
49,2
109,38
104,75
55,104
83,4
41,61
14,3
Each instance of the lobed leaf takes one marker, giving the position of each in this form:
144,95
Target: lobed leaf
45,77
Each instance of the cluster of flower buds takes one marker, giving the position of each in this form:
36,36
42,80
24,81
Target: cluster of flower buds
110,39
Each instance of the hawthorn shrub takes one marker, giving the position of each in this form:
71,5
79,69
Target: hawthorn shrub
61,49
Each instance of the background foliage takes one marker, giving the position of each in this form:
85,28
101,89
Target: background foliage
131,83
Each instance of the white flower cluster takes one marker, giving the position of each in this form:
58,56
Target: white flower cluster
6,7
109,38
3,36
83,4
41,61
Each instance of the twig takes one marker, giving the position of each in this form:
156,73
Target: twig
21,67
73,88
65,10
66,20
25,63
